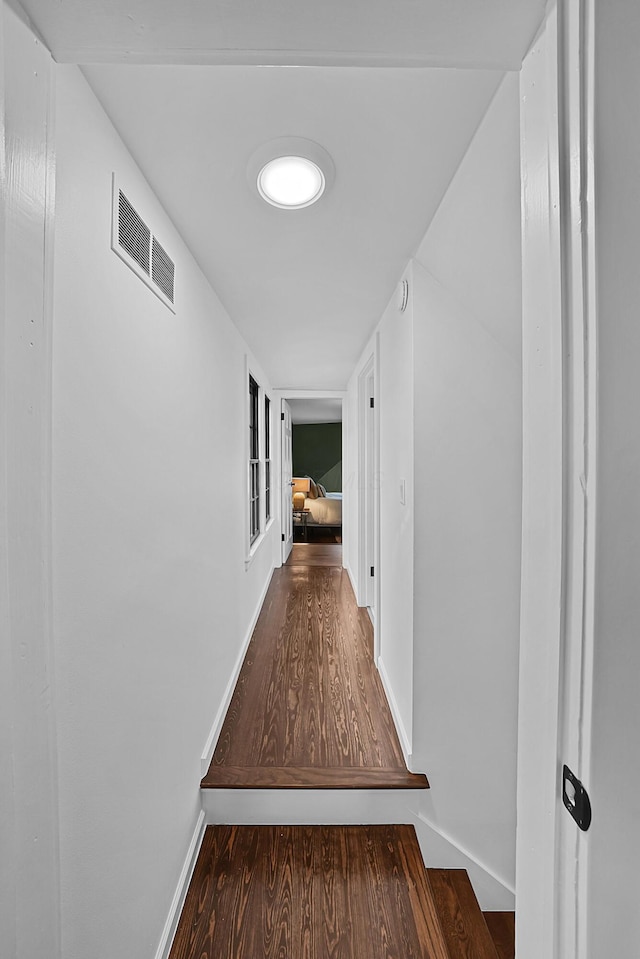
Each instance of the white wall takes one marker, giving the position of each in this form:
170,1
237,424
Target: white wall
614,836
152,600
467,375
450,423
396,417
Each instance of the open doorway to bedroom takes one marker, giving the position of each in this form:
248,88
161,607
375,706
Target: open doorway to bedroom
317,491
316,450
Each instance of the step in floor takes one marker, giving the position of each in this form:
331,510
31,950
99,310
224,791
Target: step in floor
465,930
309,892
502,926
309,709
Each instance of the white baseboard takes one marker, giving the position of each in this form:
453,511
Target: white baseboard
212,739
177,903
352,580
442,851
405,741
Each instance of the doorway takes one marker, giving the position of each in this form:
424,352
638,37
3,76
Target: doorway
368,592
312,461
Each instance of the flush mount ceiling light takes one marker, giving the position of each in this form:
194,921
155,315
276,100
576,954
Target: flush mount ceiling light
290,173
291,182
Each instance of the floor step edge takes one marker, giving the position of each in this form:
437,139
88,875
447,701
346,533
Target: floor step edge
308,777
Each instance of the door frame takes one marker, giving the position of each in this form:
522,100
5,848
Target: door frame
369,494
286,516
293,394
559,479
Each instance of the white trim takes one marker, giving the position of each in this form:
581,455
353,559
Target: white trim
212,739
580,398
285,474
559,479
170,926
541,622
255,546
352,578
405,740
363,498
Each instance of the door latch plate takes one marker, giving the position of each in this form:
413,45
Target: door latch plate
576,799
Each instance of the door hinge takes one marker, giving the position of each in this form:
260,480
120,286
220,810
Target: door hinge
282,416
371,402
283,537
576,799
372,573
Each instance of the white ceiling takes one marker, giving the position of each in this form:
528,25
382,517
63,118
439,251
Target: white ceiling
305,288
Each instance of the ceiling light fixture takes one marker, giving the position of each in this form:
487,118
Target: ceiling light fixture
290,173
291,182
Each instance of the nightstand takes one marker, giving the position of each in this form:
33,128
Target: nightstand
300,517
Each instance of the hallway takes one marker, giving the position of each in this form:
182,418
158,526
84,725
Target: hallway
309,713
309,710
144,492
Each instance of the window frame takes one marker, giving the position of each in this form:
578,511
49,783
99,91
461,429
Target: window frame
267,460
254,461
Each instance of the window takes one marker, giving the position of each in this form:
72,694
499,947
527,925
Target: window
267,458
254,462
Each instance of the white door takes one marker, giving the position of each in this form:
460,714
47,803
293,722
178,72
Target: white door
286,478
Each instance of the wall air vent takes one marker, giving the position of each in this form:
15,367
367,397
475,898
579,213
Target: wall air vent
162,269
134,235
134,242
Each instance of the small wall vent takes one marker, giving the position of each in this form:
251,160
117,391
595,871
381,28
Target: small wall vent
135,244
162,269
134,235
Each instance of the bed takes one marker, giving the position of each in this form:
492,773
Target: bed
325,509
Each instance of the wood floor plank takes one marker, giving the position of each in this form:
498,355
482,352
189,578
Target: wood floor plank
309,696
314,892
315,554
502,926
462,922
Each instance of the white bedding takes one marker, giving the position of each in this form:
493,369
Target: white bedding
325,510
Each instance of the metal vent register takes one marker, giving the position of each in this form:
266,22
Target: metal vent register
134,242
134,235
162,269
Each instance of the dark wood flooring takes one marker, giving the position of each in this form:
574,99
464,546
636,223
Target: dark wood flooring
309,892
463,924
309,709
315,554
502,926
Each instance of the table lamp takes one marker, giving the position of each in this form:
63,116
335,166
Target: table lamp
301,488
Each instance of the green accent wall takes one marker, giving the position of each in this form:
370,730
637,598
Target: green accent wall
317,452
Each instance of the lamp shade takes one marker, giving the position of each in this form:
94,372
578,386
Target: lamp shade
301,484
